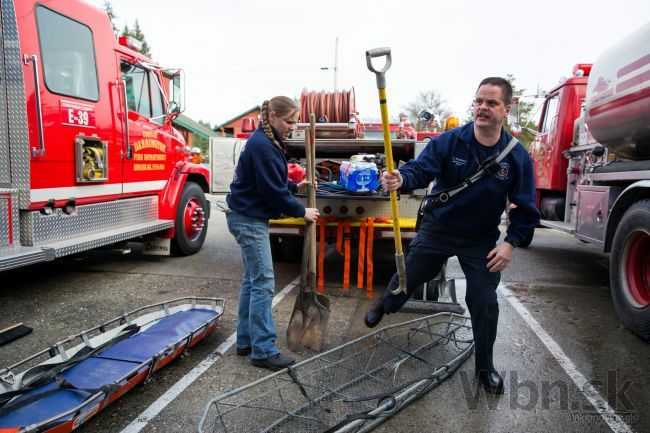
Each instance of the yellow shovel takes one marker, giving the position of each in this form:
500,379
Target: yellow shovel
388,150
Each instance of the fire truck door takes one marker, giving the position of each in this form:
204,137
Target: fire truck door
147,162
71,133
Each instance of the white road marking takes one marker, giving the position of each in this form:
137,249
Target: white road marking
157,406
615,422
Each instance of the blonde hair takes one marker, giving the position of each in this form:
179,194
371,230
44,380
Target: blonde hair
283,107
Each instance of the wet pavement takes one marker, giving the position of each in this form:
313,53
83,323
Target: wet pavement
557,325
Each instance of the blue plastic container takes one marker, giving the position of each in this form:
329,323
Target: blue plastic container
358,176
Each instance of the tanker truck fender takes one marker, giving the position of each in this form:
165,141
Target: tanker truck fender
633,193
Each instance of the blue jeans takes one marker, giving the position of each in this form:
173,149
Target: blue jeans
255,327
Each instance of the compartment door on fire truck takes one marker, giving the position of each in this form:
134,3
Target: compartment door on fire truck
147,163
71,133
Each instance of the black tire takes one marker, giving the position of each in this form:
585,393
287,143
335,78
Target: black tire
629,269
286,248
186,240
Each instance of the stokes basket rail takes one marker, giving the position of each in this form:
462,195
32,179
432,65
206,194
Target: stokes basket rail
353,387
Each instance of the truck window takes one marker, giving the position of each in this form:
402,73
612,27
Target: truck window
68,55
550,114
157,106
137,88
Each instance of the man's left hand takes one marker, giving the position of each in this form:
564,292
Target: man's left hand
500,257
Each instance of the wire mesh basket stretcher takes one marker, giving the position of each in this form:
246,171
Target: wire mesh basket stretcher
351,388
83,374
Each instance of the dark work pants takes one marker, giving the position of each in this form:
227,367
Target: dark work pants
426,255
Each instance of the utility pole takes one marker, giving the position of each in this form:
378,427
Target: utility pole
336,61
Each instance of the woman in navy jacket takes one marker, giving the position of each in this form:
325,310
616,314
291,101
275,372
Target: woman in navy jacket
260,191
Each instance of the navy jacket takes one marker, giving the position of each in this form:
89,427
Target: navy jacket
260,187
476,211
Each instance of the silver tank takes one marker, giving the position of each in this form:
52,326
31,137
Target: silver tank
618,96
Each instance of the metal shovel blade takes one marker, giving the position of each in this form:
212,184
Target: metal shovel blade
298,322
319,316
300,315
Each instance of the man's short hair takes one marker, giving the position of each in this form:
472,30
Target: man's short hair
506,88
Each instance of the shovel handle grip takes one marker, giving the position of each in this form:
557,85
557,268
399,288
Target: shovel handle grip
379,52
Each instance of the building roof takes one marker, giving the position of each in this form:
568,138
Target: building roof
218,127
194,126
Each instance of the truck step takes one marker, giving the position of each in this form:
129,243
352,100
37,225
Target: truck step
14,257
559,225
72,246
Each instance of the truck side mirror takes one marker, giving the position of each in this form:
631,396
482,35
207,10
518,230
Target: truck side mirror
173,110
178,89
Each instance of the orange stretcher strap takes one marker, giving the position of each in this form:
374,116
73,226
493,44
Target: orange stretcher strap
362,254
339,238
343,247
321,256
370,236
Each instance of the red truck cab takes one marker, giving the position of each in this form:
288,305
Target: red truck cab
554,135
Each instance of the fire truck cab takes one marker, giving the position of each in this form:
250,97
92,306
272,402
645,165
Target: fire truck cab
88,154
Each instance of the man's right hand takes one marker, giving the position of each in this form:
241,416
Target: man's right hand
391,181
311,214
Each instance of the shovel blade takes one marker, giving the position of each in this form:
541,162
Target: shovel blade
319,315
298,322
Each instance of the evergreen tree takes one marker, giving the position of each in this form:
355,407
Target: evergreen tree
108,8
137,33
525,114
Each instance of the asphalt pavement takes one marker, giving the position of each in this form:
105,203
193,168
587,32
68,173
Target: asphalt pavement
568,362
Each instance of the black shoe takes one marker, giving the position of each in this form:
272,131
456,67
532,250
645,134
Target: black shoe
374,314
274,363
244,351
491,381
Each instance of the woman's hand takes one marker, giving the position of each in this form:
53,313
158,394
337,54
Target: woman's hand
311,214
302,186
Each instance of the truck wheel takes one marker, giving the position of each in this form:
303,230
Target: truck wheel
630,269
190,223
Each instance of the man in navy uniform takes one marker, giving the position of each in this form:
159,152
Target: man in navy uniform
467,226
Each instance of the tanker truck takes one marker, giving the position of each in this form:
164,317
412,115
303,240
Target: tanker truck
591,158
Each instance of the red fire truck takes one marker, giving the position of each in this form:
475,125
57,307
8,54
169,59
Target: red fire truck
88,155
592,165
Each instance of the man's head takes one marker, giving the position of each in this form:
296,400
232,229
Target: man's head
492,104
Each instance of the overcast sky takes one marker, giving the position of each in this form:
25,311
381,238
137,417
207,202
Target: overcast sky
237,53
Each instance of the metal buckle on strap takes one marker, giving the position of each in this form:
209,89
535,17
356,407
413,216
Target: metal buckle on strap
9,378
444,197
